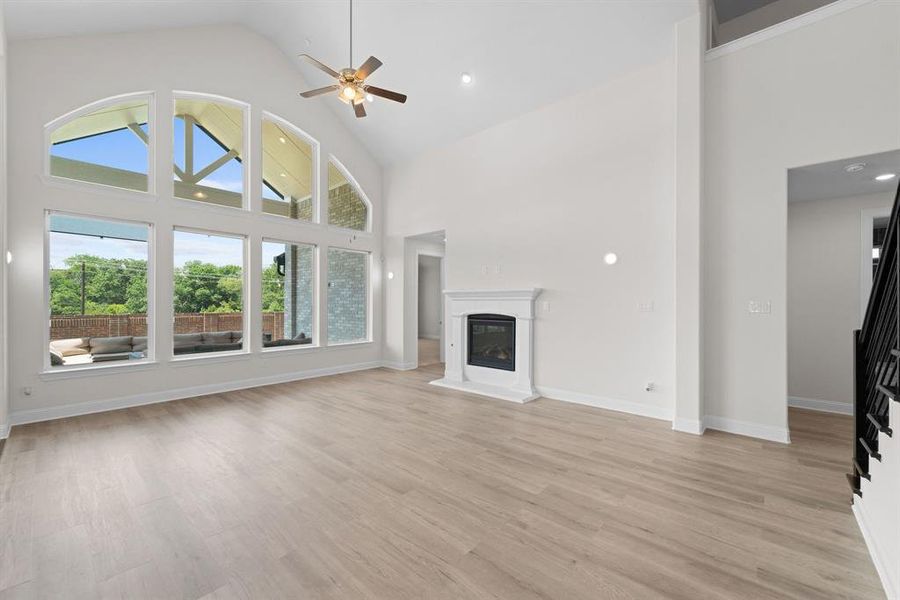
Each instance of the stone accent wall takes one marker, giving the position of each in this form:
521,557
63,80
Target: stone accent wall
346,208
348,285
298,283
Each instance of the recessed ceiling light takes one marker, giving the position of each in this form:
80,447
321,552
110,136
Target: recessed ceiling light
282,140
466,78
886,177
611,258
8,257
199,195
390,274
283,174
370,98
855,167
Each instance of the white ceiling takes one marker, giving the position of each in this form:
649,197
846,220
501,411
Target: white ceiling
829,180
522,54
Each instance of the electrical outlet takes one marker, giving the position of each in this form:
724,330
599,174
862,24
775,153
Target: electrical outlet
545,306
484,269
646,307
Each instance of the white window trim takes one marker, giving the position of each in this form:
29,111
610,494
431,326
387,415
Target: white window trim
369,294
151,296
50,127
245,297
244,107
365,198
316,338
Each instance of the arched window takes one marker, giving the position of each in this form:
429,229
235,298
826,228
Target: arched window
347,206
288,170
208,147
107,144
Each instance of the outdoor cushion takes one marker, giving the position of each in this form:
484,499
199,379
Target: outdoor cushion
217,337
184,340
111,345
139,343
71,346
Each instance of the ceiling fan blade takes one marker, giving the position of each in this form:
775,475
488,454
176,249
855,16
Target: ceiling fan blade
360,110
368,67
320,65
395,96
320,91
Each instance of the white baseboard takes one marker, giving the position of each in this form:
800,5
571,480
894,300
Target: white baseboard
874,550
429,336
634,408
765,432
694,426
399,366
85,408
829,406
4,430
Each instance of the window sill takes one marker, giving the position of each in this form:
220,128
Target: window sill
206,358
298,349
350,344
91,370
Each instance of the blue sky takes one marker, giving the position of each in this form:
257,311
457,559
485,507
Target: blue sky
123,150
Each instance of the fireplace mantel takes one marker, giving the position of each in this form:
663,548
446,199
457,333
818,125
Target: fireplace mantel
516,385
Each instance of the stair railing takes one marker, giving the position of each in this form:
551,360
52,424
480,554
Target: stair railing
876,351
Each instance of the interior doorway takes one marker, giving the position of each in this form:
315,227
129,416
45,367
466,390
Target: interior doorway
430,321
836,216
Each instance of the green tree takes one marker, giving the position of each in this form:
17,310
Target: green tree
272,290
203,287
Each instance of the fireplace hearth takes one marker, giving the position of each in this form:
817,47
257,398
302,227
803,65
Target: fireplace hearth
492,341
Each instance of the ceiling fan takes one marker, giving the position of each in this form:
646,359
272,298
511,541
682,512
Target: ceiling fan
351,86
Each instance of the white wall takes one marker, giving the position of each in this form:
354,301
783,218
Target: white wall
823,294
430,297
4,383
537,201
51,77
819,93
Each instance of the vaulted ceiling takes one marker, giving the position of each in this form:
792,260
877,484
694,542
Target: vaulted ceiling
522,55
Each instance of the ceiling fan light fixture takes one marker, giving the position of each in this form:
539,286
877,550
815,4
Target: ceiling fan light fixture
351,83
466,78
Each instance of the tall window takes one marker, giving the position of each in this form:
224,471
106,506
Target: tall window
287,170
346,207
288,293
348,296
98,290
208,293
208,141
107,146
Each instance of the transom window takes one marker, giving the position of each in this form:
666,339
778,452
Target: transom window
288,171
346,206
208,142
107,146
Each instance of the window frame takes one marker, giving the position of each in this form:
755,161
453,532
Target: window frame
57,180
316,279
245,109
369,293
47,368
315,182
363,196
245,298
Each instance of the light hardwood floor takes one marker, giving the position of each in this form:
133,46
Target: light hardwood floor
429,352
377,485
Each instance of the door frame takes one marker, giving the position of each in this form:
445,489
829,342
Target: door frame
442,284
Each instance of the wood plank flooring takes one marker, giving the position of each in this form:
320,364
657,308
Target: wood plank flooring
377,485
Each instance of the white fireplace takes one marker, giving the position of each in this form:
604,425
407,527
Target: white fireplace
490,343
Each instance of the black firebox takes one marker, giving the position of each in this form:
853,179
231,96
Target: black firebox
492,341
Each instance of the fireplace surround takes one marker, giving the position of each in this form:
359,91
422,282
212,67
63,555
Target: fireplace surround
489,343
